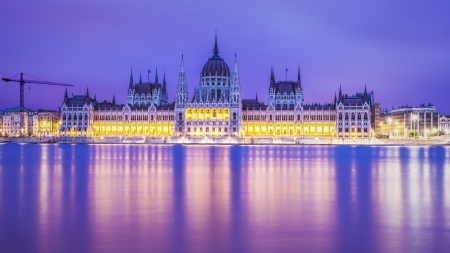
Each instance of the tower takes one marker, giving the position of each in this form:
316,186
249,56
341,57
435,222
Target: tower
130,90
181,100
299,90
235,101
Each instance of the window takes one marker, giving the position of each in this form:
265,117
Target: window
151,117
226,129
270,117
234,116
234,129
180,116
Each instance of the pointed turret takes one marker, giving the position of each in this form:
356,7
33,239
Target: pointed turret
340,92
181,87
299,78
140,78
88,99
365,90
114,99
335,98
131,86
216,47
272,77
66,97
235,71
156,77
164,82
256,96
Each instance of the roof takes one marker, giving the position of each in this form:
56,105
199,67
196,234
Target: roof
80,100
252,104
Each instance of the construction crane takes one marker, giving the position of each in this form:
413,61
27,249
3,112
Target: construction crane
22,82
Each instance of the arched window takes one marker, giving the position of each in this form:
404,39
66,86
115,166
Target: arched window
365,116
214,114
234,116
353,116
126,117
180,116
340,116
270,117
218,94
346,116
85,117
75,117
359,116
298,117
64,117
151,117
213,94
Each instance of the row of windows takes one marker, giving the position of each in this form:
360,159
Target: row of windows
75,117
353,116
290,117
200,129
358,130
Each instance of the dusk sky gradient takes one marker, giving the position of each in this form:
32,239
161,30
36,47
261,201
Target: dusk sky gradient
400,49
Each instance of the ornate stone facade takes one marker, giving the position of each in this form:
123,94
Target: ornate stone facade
216,110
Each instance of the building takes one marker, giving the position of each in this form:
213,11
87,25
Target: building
354,114
408,121
444,124
39,123
217,110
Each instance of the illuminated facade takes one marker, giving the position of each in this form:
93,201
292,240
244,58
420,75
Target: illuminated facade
216,110
40,123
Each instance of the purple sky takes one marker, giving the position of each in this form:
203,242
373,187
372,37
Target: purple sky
400,50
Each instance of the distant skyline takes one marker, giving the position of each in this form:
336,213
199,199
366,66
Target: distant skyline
401,51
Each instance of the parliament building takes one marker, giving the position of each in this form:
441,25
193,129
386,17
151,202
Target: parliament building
217,110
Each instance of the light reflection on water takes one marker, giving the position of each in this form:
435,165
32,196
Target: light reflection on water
111,198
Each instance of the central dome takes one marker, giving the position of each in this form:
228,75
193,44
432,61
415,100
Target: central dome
215,66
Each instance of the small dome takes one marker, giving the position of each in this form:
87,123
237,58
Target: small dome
216,66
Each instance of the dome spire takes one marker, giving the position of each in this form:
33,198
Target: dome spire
216,48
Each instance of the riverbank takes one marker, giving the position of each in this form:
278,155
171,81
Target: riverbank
229,140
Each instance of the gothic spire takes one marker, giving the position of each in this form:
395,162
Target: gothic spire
299,78
272,77
340,92
66,97
131,86
235,72
335,98
164,82
182,64
114,99
88,99
216,48
140,77
156,76
365,90
256,96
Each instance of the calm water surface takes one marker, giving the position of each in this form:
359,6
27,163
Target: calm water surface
110,198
